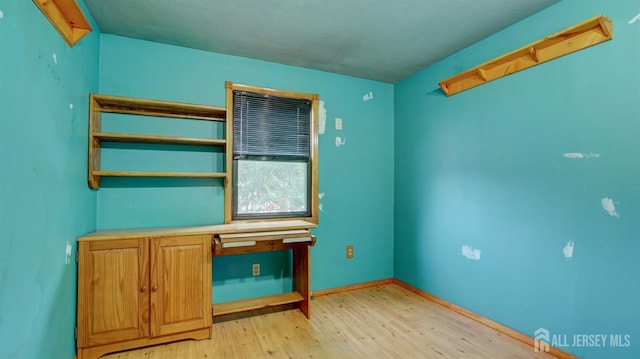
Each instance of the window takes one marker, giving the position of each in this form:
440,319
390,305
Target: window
274,153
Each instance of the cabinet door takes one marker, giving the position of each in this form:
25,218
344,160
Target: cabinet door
180,284
113,296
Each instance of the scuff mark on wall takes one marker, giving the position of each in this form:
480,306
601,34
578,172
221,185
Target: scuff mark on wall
636,18
1,15
581,155
340,141
320,196
320,206
70,106
368,96
568,250
610,207
471,253
322,124
67,251
55,58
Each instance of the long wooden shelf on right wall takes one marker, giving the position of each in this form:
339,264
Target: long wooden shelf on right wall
577,37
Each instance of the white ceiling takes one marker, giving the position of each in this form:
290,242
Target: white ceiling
384,40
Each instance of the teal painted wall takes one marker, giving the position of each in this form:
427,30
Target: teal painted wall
356,179
45,202
486,169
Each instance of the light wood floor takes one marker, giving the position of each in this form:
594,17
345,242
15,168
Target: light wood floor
379,322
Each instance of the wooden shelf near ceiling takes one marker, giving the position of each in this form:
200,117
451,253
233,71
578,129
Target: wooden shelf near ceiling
588,33
67,17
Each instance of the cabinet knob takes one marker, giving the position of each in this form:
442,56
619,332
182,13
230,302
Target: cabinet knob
143,289
154,288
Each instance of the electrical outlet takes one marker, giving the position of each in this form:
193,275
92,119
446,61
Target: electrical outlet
350,251
338,123
255,269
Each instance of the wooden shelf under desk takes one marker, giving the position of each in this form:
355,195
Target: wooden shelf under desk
245,305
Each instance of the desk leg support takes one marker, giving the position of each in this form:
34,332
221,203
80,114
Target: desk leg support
301,277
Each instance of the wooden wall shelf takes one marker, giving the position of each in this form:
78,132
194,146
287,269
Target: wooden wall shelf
126,137
146,107
577,37
67,17
159,174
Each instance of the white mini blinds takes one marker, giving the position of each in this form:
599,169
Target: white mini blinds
270,127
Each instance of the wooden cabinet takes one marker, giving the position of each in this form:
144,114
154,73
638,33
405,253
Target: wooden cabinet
142,291
180,284
113,299
146,286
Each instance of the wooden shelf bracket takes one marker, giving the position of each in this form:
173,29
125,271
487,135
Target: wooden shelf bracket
585,34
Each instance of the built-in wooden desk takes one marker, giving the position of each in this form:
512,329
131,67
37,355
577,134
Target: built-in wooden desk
139,287
279,236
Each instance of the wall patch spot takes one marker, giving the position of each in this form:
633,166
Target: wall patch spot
610,207
323,118
368,96
55,58
1,15
568,250
321,195
581,155
340,141
636,18
471,253
70,106
67,251
320,206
